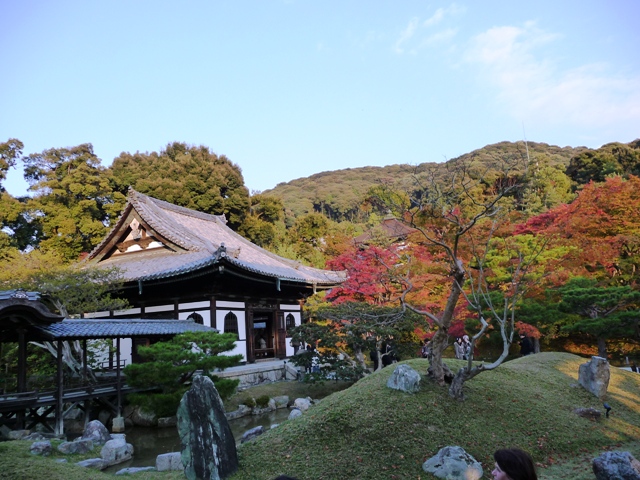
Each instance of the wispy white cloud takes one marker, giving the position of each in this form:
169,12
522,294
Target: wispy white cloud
418,33
531,86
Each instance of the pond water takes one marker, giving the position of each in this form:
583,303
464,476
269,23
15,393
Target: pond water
148,443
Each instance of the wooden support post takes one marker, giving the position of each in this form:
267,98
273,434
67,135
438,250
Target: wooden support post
84,362
22,361
118,380
59,428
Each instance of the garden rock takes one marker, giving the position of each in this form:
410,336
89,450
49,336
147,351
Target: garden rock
453,463
242,411
302,404
116,451
41,448
208,447
169,461
143,418
35,437
164,422
594,376
251,434
96,432
271,406
617,466
19,434
132,470
282,401
295,413
405,379
590,413
94,463
80,445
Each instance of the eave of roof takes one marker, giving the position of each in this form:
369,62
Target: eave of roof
98,328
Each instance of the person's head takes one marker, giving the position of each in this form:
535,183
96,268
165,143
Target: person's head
513,464
465,338
284,477
458,339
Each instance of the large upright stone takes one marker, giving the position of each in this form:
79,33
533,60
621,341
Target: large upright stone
208,447
594,376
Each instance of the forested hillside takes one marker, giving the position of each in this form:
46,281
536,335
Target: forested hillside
558,225
340,194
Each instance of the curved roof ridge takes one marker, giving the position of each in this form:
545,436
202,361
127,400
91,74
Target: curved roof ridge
164,226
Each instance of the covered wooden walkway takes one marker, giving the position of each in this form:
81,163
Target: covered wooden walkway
24,318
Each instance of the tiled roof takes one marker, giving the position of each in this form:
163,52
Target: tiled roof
390,227
110,328
206,240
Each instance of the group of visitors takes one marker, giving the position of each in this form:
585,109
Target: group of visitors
462,347
510,464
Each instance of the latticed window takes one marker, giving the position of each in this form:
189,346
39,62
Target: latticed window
196,317
231,323
290,322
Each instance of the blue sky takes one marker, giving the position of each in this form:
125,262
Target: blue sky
290,88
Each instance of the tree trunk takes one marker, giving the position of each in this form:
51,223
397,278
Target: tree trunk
456,389
602,347
439,340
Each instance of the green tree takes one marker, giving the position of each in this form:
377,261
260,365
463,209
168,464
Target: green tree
169,366
10,153
73,200
189,176
600,311
264,225
610,159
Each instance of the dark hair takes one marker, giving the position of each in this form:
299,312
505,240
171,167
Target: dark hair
516,463
284,477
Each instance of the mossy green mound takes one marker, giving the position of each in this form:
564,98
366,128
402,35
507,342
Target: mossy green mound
369,431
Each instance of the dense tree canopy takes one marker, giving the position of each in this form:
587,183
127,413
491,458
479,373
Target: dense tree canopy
189,176
73,200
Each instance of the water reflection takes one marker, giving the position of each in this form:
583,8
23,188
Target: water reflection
148,443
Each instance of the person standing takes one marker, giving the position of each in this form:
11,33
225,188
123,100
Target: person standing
466,349
526,347
458,348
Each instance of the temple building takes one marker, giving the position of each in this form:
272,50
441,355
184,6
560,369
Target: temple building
183,264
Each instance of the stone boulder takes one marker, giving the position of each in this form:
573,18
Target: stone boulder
19,434
590,413
169,461
116,451
242,411
453,463
616,465
405,379
282,401
41,448
143,418
133,470
295,413
80,445
164,422
208,447
302,404
93,463
252,433
594,376
96,432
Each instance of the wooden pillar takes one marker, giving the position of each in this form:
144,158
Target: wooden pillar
59,428
87,403
118,381
22,361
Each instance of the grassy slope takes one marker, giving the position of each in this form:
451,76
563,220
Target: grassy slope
369,431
